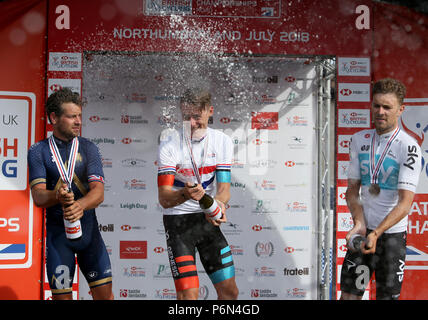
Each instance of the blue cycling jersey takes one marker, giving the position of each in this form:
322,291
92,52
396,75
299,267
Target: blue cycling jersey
90,249
43,169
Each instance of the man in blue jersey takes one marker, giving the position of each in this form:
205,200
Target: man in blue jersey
49,162
383,174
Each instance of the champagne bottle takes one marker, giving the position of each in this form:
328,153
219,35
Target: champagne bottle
355,242
210,207
73,230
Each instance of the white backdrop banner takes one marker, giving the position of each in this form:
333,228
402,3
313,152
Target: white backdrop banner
267,105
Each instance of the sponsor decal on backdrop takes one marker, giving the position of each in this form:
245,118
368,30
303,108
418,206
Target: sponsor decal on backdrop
162,271
264,249
341,196
237,250
65,61
341,248
296,293
343,142
263,293
297,121
356,67
262,272
100,119
134,272
354,92
297,143
132,294
106,228
263,206
296,271
57,84
342,169
296,207
265,185
290,250
165,294
133,249
98,141
296,228
208,8
344,221
354,118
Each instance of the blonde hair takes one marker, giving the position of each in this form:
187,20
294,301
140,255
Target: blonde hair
197,96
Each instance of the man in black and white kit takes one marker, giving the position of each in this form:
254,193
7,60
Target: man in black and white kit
385,164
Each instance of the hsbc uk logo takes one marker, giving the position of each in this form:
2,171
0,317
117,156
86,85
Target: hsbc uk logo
258,227
358,92
291,163
127,227
128,140
346,92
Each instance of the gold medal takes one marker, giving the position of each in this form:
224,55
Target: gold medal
374,189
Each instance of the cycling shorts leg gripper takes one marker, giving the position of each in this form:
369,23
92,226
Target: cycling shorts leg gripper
187,277
229,269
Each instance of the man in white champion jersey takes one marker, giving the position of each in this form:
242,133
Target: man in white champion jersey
186,227
383,174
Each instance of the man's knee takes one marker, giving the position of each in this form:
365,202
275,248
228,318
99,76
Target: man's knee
104,292
231,293
188,294
227,290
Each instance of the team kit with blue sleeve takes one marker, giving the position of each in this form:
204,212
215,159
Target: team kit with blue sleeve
90,249
400,169
185,225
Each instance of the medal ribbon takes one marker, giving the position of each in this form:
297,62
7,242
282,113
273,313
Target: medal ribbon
375,168
192,158
66,174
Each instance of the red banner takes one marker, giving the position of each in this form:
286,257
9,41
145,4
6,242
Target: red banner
400,51
22,35
254,27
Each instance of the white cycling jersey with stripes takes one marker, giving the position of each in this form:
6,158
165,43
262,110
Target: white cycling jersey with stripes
212,154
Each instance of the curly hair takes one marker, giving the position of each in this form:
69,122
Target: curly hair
389,85
56,99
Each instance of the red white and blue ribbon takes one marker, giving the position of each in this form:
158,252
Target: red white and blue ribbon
187,138
65,173
375,167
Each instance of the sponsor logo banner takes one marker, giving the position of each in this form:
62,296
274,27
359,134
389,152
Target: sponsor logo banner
354,92
354,118
133,249
65,61
357,67
16,221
